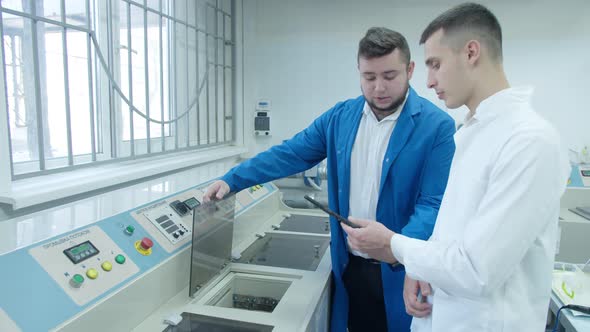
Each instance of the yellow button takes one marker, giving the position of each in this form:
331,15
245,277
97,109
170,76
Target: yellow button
107,266
92,273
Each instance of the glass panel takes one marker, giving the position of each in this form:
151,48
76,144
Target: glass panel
228,106
190,12
56,103
50,9
22,104
154,77
182,85
76,12
154,4
138,68
12,4
192,86
79,94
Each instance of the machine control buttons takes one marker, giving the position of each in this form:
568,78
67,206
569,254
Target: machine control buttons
146,243
92,273
107,266
120,259
144,246
180,207
129,230
168,220
77,281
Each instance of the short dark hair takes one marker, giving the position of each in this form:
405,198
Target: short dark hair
472,18
379,41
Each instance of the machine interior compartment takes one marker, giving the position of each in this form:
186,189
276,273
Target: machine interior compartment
293,251
582,211
250,292
196,323
306,224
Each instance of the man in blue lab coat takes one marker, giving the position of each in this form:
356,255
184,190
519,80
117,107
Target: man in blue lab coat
389,153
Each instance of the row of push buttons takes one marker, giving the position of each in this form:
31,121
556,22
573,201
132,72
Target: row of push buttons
179,233
77,280
254,188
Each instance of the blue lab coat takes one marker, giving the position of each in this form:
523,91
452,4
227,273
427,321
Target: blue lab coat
413,179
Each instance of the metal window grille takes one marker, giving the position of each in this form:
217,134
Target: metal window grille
94,81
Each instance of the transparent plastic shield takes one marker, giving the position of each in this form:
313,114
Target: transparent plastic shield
213,224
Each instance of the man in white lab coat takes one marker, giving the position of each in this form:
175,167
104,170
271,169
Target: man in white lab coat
490,257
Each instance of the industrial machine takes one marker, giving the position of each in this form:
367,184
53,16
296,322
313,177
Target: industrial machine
573,245
246,263
571,277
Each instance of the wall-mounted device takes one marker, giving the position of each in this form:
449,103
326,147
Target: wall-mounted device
262,118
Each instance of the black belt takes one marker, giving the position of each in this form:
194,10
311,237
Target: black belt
373,261
368,260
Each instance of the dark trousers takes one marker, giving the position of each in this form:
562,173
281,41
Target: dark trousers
366,308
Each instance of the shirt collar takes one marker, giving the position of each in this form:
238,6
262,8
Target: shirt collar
495,105
367,111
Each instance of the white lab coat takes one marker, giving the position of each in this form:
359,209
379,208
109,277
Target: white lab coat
490,256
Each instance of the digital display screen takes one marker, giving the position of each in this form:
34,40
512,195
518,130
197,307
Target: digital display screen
81,252
585,172
192,203
167,224
172,229
179,207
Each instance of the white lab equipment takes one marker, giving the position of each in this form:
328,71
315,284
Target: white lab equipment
131,270
571,282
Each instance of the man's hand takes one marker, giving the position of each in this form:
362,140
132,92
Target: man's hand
216,191
372,238
415,307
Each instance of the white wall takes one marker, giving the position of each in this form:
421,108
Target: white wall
302,56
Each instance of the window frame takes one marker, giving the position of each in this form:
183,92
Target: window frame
111,147
13,189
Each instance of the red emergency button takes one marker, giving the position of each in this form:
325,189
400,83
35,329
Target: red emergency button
144,246
146,243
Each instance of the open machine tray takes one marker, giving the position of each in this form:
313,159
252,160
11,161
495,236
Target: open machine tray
302,252
306,224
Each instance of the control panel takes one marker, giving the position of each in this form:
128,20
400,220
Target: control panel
169,223
85,263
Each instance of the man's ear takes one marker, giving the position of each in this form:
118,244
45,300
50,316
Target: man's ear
473,51
411,66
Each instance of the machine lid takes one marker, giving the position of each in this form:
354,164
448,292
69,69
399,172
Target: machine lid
213,226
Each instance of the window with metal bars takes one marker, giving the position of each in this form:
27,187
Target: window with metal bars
97,81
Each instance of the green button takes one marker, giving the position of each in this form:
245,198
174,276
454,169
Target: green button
76,281
130,229
120,259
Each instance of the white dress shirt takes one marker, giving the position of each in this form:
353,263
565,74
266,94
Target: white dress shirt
366,162
490,257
